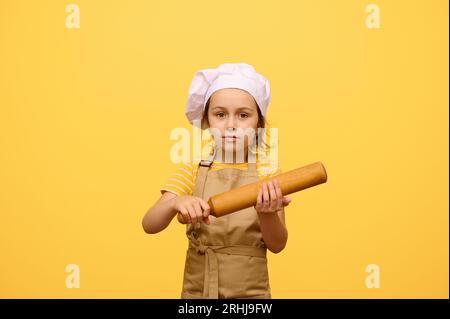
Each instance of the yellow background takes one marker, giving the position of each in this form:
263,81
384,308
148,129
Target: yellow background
85,118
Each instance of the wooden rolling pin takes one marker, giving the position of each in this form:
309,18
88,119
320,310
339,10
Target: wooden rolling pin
245,196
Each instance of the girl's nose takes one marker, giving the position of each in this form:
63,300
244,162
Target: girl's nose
230,124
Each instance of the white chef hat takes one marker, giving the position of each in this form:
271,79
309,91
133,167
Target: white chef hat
227,75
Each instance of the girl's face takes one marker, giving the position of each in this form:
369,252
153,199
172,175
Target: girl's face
232,112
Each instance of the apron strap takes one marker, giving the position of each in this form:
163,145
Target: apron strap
202,173
203,167
211,270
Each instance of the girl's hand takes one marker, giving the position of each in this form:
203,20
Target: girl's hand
194,209
270,200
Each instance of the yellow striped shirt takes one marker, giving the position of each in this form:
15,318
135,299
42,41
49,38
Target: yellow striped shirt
182,180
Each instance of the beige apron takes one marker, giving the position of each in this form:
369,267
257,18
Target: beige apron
227,258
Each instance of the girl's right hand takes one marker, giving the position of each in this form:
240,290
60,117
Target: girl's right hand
194,209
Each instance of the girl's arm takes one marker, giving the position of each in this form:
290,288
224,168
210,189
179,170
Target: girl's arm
270,207
158,217
273,230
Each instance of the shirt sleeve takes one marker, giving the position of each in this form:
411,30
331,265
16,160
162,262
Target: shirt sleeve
181,182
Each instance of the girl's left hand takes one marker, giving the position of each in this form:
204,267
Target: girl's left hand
270,199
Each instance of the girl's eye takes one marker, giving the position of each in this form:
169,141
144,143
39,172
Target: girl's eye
243,115
220,114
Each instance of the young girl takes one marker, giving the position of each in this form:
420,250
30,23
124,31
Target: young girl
226,256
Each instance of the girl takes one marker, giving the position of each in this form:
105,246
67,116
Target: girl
226,256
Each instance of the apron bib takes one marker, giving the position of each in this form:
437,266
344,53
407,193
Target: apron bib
227,258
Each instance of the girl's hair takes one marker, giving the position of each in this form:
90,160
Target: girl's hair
261,123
